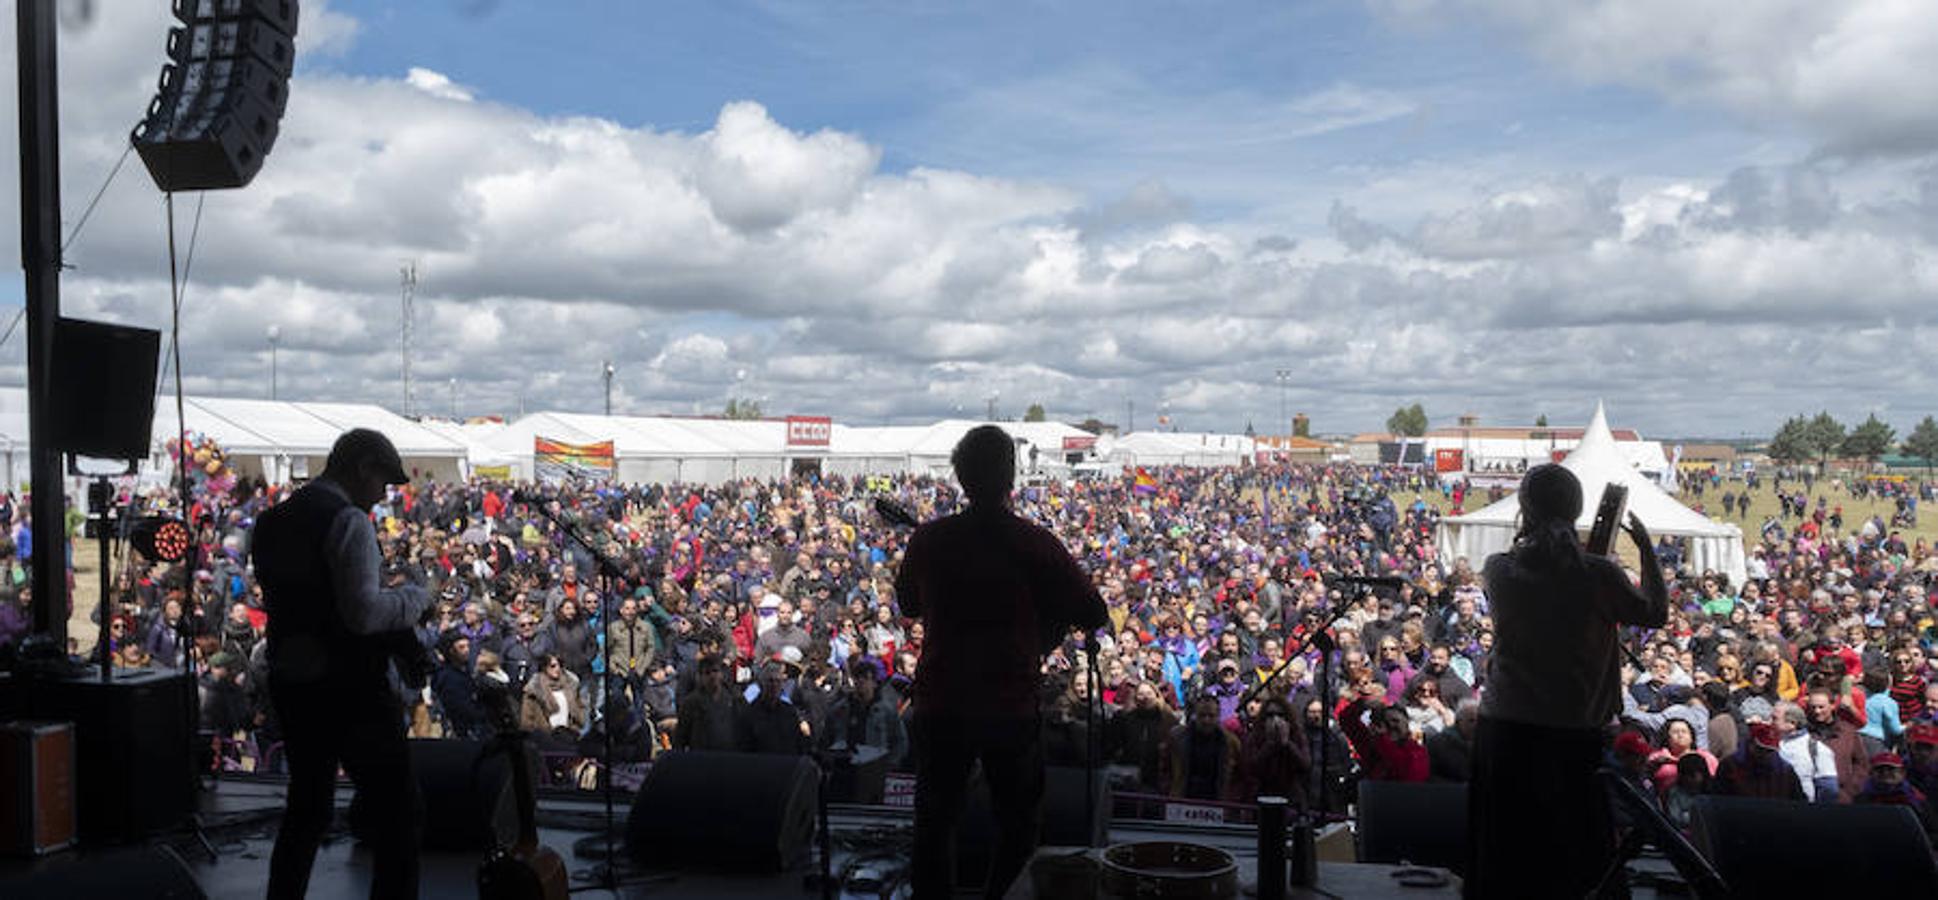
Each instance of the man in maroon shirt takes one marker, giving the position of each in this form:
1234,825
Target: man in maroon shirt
988,586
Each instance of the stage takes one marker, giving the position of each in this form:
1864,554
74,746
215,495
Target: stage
240,819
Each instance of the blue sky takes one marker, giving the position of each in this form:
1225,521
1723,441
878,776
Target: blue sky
884,210
1097,95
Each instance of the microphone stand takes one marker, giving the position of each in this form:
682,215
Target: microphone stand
1093,743
609,571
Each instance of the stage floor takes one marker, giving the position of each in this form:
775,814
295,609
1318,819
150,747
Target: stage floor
241,825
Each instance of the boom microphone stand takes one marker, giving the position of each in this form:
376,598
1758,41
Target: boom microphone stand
609,571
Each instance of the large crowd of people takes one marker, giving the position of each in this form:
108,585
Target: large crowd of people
762,616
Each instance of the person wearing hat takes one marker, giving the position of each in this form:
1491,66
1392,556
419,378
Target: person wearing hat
332,625
1887,786
1554,683
1757,769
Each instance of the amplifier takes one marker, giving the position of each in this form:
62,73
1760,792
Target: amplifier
37,766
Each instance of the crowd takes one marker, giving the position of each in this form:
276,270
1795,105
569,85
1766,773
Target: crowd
761,616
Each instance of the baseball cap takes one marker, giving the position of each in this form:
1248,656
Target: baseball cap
360,444
1764,735
1887,758
1633,744
1922,733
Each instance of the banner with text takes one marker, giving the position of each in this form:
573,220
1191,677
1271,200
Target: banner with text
556,462
809,431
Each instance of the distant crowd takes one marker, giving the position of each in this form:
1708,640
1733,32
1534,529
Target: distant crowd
761,616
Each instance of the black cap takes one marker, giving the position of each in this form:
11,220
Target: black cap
364,444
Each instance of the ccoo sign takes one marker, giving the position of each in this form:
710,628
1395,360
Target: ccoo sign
809,431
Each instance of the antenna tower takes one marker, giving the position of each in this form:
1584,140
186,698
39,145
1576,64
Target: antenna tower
409,278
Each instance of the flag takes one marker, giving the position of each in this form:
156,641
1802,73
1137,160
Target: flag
1143,483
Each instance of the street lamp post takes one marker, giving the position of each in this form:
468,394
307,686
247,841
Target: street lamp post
275,337
1284,377
454,398
991,400
609,373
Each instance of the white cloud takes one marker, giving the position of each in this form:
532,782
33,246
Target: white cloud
1854,76
548,244
438,85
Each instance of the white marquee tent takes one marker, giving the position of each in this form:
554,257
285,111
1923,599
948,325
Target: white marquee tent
275,440
1597,462
1170,448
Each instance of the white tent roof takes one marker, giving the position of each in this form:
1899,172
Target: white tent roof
1597,462
266,427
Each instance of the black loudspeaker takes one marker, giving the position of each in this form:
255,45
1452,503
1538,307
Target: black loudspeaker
469,800
150,872
222,94
133,773
1066,821
724,810
1423,824
104,388
1782,848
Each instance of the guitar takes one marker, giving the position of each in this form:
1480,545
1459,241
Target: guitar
526,869
1050,634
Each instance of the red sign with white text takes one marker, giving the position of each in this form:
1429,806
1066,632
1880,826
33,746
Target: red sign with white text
1446,460
809,431
1079,442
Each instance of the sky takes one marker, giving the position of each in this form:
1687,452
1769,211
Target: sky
1711,215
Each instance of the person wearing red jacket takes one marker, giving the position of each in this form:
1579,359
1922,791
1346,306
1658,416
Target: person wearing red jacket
1386,750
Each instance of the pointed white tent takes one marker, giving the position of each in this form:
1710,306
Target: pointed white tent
1597,462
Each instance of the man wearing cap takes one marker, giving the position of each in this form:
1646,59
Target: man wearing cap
1757,769
317,559
1887,785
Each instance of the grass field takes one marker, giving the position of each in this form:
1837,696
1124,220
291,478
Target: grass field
1763,505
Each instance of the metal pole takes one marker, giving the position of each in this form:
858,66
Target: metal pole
40,241
608,371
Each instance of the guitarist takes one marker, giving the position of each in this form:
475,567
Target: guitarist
317,559
988,586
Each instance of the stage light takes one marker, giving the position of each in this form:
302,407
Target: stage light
162,539
218,107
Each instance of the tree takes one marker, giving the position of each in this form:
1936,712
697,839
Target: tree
742,409
1791,444
1824,435
1408,421
1870,440
1541,421
1093,425
1923,442
1034,413
1249,431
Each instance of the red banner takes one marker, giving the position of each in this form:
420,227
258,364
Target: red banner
1079,442
809,431
1447,460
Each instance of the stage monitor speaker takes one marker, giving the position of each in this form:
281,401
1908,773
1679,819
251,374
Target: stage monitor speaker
104,389
469,802
133,771
1783,848
150,872
1066,821
724,810
1423,824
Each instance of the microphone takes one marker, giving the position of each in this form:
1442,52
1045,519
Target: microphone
895,513
1391,581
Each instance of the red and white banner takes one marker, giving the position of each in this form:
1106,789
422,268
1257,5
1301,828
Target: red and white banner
1073,442
809,431
1447,460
